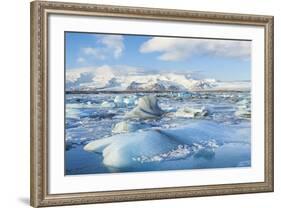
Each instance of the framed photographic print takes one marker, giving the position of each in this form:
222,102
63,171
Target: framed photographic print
144,103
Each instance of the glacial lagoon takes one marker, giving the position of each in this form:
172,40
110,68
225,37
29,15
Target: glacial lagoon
130,132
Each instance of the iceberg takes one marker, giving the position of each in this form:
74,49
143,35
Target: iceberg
243,109
198,139
132,100
184,95
106,104
188,112
125,126
243,102
119,101
72,113
243,113
147,108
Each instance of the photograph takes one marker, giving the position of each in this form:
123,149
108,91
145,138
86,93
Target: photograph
137,103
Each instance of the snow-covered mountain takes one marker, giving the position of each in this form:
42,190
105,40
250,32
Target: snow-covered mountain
104,78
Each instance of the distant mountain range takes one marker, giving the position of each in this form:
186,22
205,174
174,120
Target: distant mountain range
109,80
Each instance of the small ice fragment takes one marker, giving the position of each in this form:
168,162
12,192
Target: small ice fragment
191,112
106,104
119,101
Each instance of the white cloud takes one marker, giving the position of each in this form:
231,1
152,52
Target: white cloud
173,49
107,45
98,53
81,60
114,43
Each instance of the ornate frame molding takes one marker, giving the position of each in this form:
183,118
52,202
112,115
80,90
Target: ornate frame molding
39,103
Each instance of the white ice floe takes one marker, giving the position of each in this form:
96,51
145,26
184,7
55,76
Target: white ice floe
180,152
243,102
132,100
199,139
147,108
184,95
106,104
80,105
243,113
202,149
189,112
122,101
243,109
169,109
73,113
119,101
126,126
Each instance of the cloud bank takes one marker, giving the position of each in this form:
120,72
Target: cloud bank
174,49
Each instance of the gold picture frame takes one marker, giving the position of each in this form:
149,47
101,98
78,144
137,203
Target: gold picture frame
39,103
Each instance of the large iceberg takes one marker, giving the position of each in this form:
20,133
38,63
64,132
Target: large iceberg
147,108
197,139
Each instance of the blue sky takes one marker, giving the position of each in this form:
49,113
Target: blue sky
208,58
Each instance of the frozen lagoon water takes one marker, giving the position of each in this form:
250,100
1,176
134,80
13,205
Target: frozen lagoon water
220,138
